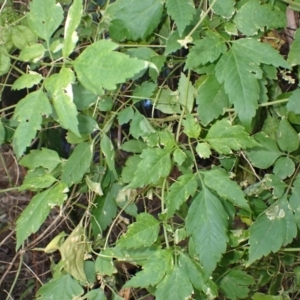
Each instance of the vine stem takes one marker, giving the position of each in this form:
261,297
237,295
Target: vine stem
291,2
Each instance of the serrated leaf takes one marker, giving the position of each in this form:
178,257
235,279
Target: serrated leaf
4,61
29,113
27,81
22,36
210,47
179,156
77,164
181,12
72,21
265,155
134,146
180,191
191,127
172,43
135,18
130,167
294,200
284,167
224,137
64,288
211,99
97,294
218,180
203,150
142,233
175,286
155,164
272,230
44,17
108,150
274,182
154,269
253,16
104,264
36,183
235,284
186,93
287,137
37,211
98,67
224,8
32,53
125,115
293,57
45,158
206,222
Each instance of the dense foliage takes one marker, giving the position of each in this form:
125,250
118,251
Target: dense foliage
176,122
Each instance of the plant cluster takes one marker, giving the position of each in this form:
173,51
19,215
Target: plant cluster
178,122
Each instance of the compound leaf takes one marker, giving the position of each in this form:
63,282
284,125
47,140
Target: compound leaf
29,113
224,137
206,222
181,12
217,180
274,228
44,17
77,164
153,270
155,164
142,233
180,191
98,67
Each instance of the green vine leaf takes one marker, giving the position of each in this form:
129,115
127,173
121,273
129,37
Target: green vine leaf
206,222
175,286
98,67
66,287
218,180
4,61
154,270
224,8
186,93
27,81
253,16
77,164
293,57
155,164
44,17
97,294
104,264
29,113
273,229
294,200
224,137
181,12
135,19
108,150
287,137
180,191
191,127
142,233
73,20
294,102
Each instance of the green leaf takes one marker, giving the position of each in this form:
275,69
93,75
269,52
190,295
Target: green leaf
186,93
203,150
224,137
211,99
284,167
35,183
210,47
224,8
181,12
253,16
294,200
180,191
28,113
72,21
32,53
294,102
191,127
271,230
104,264
293,57
44,17
2,133
235,284
108,150
134,146
137,19
22,36
142,233
64,288
206,222
37,211
45,158
98,67
155,164
125,115
266,154
27,81
218,180
175,286
72,253
140,126
4,61
154,269
179,156
97,294
259,296
287,137
130,168
77,164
